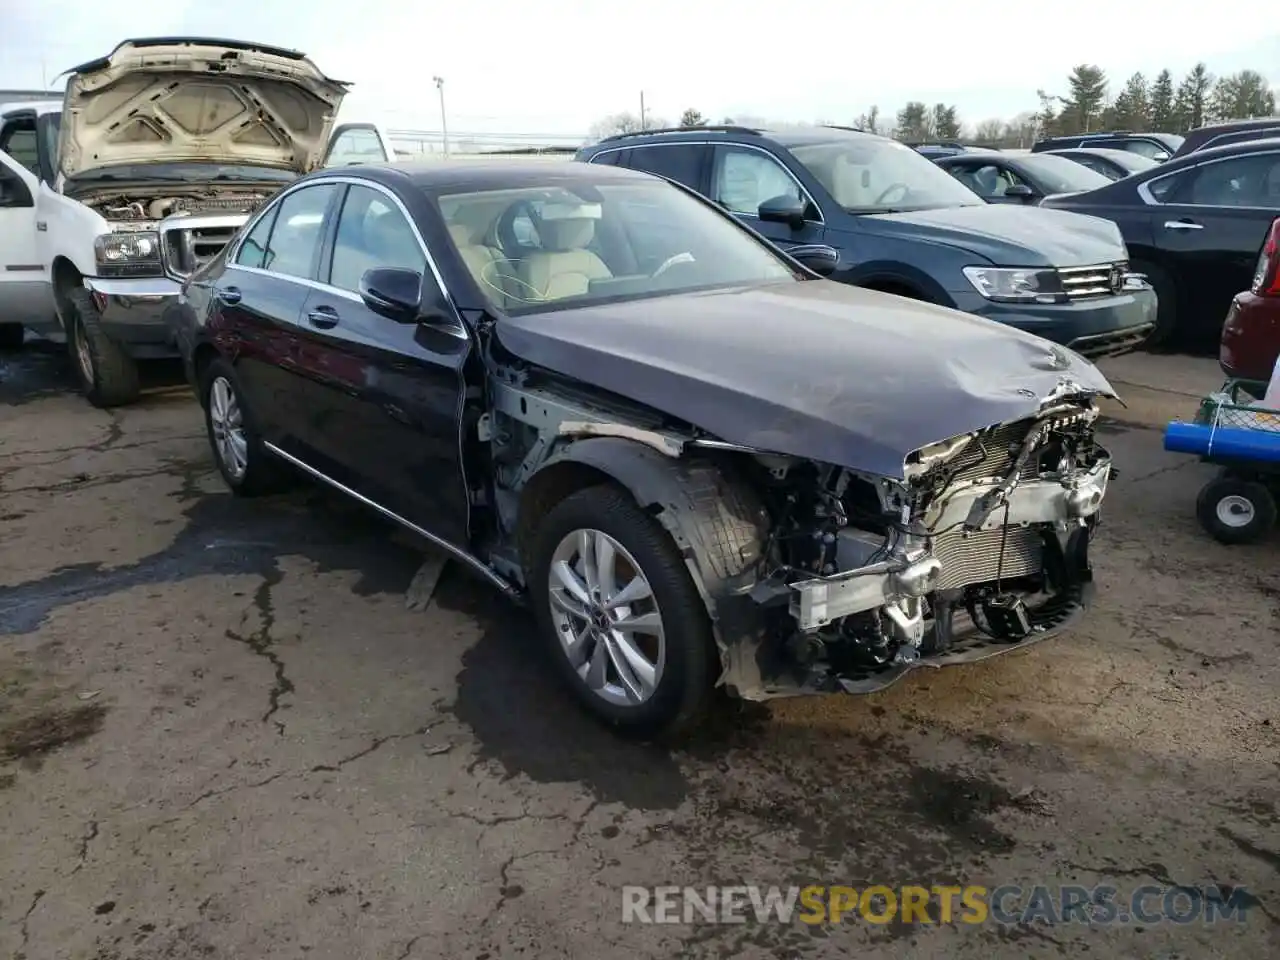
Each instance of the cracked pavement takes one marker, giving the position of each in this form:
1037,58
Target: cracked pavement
224,734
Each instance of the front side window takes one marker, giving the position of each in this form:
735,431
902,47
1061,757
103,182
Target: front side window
873,175
294,243
20,142
1249,181
372,233
600,241
746,178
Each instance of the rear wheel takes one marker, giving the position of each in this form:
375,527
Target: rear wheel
108,375
1235,510
11,336
623,621
245,464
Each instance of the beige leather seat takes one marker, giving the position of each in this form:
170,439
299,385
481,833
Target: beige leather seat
485,263
563,267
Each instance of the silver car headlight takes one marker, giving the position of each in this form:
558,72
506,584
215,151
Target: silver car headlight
129,253
1016,285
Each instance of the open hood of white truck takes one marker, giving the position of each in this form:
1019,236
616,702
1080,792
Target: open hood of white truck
187,99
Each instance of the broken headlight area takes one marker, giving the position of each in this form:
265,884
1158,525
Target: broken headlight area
982,547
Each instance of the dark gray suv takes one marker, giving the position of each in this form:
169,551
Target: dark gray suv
870,211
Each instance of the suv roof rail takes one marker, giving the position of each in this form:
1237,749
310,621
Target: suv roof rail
838,126
714,127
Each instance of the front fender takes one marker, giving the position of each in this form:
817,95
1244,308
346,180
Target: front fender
717,522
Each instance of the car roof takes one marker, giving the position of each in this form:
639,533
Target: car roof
1106,153
1241,147
462,176
38,107
786,137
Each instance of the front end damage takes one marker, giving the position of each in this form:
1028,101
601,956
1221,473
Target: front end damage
821,578
982,549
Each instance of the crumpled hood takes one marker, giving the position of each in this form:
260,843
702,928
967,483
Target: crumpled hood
1009,235
192,100
814,369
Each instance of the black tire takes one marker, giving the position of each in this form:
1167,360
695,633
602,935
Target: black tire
1253,504
11,336
263,473
685,688
108,375
1166,328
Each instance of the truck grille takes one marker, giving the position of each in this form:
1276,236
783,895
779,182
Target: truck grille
188,242
1089,283
975,558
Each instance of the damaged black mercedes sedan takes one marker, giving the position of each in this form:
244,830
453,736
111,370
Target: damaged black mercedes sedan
698,462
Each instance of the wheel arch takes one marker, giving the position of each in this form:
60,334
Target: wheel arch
718,524
65,276
902,280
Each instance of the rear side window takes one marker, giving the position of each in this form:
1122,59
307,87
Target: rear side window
683,163
610,158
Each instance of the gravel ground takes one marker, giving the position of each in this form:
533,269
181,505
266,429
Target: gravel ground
224,734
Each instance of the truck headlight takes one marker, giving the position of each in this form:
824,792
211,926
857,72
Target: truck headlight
1014,285
128,254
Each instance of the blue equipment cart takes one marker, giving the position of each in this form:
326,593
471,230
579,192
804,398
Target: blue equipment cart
1243,438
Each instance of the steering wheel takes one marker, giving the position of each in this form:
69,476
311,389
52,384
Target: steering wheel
901,187
683,257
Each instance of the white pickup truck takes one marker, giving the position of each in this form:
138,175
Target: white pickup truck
156,155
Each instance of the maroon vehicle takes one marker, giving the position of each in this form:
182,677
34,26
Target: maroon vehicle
1251,333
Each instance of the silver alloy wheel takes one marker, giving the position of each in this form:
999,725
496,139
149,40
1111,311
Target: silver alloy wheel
228,428
606,618
83,355
1235,511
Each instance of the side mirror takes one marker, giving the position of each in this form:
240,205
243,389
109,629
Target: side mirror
818,257
393,293
783,209
1020,192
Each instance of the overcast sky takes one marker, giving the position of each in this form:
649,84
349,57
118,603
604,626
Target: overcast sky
556,66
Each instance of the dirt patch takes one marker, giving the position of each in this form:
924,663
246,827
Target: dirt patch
45,731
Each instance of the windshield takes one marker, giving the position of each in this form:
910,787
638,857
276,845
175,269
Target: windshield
1060,175
871,175
576,243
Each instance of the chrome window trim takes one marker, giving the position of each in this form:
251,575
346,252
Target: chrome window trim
460,332
1144,188
821,221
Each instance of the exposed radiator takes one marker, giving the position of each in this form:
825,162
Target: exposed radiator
976,558
189,241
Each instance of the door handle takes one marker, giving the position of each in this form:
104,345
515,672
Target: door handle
323,317
227,295
1182,225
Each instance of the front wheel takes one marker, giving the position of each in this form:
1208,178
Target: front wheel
108,375
244,462
1234,510
1166,328
623,620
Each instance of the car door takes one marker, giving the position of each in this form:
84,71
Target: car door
744,177
257,301
24,279
384,398
1210,220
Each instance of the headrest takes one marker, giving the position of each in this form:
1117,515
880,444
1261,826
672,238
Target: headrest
566,234
464,235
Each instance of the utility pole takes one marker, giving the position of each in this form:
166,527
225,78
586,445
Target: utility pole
444,125
643,125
